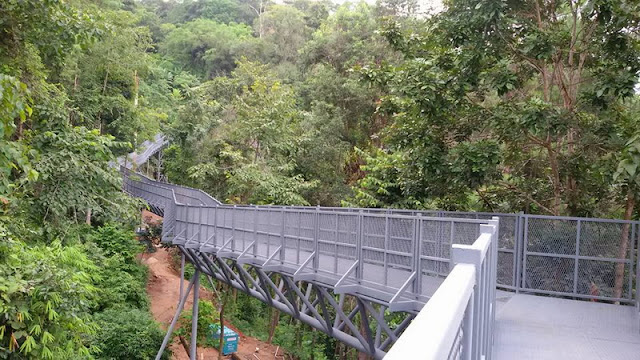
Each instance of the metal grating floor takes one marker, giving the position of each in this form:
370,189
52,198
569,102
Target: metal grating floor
541,328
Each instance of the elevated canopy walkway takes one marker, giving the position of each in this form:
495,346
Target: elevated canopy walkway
344,270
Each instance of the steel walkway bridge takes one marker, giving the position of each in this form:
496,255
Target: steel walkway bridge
413,284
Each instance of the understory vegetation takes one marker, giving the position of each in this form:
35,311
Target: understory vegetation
485,105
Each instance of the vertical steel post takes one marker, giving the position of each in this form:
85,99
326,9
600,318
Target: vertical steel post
283,239
335,263
255,231
269,214
174,320
575,265
316,235
452,233
417,246
524,252
234,212
637,265
181,274
386,248
631,263
519,241
201,236
299,235
194,318
359,237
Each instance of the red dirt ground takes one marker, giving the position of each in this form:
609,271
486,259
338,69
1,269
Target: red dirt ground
164,289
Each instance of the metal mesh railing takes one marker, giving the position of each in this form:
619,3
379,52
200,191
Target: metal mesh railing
576,257
579,257
458,321
389,247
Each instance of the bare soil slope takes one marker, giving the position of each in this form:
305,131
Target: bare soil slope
164,289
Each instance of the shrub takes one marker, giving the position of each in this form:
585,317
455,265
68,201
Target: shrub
207,314
115,241
127,334
122,284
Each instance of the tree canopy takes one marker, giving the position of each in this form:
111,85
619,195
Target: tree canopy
488,105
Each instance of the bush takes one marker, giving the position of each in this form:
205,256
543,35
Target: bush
115,241
45,292
122,284
207,314
127,334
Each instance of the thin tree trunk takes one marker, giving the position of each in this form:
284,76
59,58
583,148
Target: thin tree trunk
136,84
88,219
624,244
273,324
221,344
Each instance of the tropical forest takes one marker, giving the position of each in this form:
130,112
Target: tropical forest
500,106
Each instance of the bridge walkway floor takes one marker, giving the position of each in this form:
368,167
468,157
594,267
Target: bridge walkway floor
532,327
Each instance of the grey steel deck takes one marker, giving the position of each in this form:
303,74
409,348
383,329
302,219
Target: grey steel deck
540,328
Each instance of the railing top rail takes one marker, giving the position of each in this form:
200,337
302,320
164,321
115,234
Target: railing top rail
584,219
346,212
482,244
203,196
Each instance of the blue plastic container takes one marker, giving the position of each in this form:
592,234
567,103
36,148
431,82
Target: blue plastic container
231,338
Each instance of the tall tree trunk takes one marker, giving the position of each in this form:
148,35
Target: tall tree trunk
88,219
624,244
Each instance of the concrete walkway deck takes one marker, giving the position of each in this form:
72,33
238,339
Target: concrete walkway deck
541,328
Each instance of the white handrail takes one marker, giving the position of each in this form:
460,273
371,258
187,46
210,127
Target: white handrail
436,327
458,321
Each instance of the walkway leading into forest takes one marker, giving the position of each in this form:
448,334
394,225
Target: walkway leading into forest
344,270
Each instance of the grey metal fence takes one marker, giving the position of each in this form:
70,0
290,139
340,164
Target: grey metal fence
566,256
555,255
458,321
386,255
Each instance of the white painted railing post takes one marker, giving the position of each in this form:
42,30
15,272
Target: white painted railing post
482,256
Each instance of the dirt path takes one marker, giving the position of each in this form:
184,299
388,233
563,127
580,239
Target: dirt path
164,289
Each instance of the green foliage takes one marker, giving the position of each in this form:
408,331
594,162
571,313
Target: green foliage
75,175
299,343
122,279
121,284
113,240
207,47
45,292
478,116
14,104
222,11
285,32
104,83
127,334
207,315
52,26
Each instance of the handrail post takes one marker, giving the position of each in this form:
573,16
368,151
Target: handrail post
316,234
255,231
233,228
283,239
484,290
417,283
359,237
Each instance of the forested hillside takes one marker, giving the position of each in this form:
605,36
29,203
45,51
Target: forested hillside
489,105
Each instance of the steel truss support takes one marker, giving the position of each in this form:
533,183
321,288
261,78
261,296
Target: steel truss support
356,321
